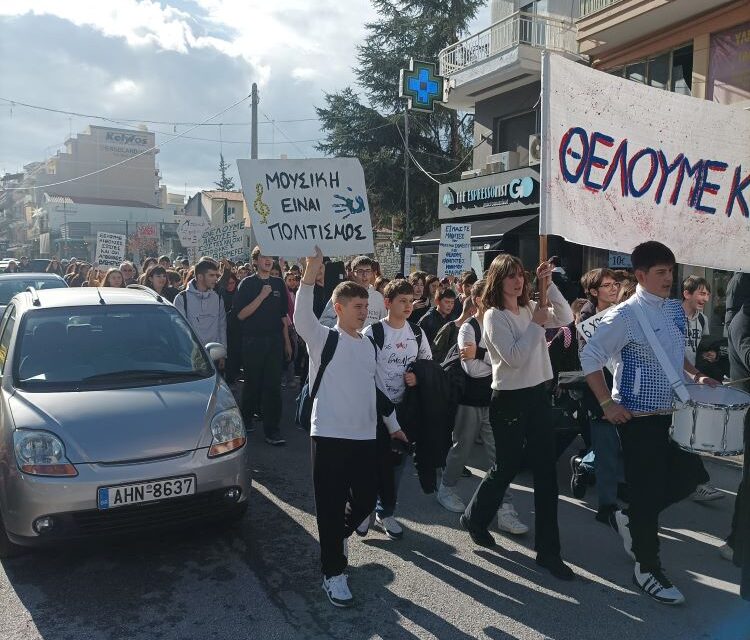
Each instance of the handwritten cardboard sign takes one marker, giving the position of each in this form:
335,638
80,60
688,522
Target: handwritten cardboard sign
297,204
110,249
225,241
454,251
190,230
147,230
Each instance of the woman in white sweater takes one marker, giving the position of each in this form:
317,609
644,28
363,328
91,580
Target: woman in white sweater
520,406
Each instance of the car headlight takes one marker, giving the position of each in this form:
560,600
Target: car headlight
228,433
41,453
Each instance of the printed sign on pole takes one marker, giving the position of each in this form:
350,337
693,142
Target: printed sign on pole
225,241
190,230
110,249
623,163
454,251
297,204
619,260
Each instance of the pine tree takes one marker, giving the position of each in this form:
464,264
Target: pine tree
226,182
372,129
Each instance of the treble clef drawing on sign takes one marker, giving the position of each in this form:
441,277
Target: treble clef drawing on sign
261,208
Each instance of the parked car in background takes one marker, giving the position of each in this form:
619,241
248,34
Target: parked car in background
113,420
13,283
38,265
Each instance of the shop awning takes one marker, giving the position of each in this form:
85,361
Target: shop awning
481,230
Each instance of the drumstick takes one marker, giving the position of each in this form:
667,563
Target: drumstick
729,384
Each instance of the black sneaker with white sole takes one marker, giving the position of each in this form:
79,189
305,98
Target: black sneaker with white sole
656,585
276,441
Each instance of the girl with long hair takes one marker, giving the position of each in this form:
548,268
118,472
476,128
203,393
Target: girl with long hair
54,267
520,410
156,278
113,278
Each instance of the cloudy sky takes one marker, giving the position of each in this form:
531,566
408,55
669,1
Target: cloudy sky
175,61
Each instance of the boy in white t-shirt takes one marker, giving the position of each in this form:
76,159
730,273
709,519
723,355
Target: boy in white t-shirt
343,424
399,343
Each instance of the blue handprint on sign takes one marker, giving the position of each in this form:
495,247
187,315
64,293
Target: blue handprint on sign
348,204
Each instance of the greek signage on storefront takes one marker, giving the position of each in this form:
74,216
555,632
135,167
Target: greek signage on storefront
495,193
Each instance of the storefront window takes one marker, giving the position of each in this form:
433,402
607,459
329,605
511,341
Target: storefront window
682,70
658,71
672,70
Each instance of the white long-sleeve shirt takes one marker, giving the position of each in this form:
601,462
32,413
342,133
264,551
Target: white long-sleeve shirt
375,309
345,406
516,345
640,383
474,368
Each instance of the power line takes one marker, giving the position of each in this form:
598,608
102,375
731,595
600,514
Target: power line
16,103
138,155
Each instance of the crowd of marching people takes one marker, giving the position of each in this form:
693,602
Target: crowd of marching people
422,368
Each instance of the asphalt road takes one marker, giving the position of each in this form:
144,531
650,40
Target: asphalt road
262,580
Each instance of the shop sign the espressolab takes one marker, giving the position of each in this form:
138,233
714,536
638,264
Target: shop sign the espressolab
495,193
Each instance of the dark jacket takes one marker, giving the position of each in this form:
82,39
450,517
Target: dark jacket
428,420
431,323
738,293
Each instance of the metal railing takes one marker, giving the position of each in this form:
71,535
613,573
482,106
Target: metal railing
587,7
518,28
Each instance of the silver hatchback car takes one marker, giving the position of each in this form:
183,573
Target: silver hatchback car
113,419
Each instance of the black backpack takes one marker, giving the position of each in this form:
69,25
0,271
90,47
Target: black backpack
303,413
451,364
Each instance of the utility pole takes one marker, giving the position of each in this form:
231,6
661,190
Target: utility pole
407,231
254,121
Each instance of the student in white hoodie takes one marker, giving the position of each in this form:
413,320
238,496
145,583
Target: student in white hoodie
362,270
202,307
343,424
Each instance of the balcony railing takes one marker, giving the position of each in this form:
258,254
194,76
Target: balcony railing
518,28
587,7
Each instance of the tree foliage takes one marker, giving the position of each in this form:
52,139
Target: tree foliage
370,125
226,182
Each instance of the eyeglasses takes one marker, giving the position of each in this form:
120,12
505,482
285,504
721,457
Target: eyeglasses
363,272
610,285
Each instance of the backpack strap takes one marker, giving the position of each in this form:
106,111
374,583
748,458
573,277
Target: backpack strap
378,334
417,331
702,321
376,346
481,351
329,349
183,295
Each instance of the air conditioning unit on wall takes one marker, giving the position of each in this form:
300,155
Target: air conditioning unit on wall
535,149
504,161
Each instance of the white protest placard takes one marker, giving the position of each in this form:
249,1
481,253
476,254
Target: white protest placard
623,163
454,251
297,204
190,230
225,241
110,249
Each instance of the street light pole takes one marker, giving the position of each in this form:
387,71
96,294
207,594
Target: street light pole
407,226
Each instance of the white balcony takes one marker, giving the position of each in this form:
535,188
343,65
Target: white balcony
587,7
502,57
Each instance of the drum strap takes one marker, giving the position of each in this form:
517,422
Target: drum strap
675,380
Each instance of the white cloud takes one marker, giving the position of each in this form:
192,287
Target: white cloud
305,73
126,87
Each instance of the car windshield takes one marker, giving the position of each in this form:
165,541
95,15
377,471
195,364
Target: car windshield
108,346
12,286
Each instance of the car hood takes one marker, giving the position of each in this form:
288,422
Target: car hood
118,425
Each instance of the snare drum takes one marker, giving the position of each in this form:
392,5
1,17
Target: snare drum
712,421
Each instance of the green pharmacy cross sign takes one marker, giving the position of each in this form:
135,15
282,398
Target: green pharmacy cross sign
421,86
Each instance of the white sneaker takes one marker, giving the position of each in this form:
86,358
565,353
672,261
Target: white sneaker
623,528
363,528
337,590
706,493
726,552
449,499
507,520
657,585
391,527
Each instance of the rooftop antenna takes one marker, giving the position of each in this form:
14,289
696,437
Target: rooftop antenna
101,300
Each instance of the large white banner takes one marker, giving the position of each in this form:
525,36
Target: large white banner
297,204
623,163
454,250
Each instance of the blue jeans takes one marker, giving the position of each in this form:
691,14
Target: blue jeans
605,459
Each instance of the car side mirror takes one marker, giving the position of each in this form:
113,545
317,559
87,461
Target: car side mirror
216,351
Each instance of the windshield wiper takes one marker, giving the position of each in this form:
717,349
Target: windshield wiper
143,374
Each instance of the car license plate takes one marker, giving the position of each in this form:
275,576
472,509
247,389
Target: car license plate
112,497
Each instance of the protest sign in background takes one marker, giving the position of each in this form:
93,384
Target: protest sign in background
623,163
225,241
297,204
147,230
190,230
110,249
454,251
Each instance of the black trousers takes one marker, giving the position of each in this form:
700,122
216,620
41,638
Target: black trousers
389,464
658,474
522,428
261,360
345,485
